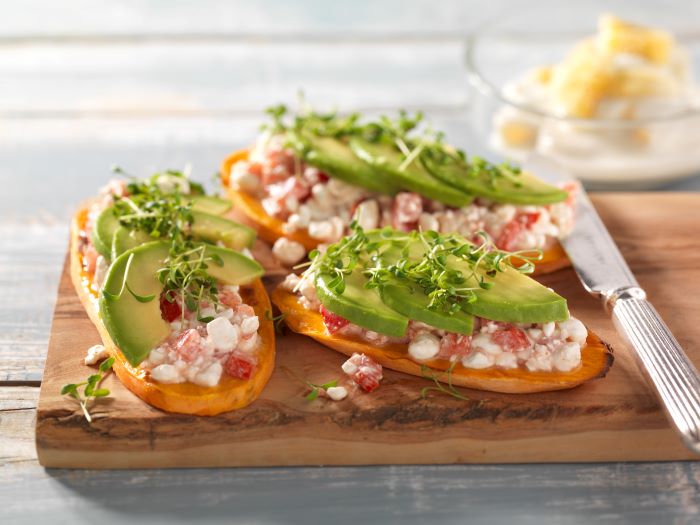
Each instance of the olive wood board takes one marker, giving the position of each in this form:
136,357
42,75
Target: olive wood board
614,419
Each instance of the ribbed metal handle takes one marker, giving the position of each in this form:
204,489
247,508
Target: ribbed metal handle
673,375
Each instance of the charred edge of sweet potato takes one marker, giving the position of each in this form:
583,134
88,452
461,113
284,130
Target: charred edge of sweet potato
270,228
184,398
596,357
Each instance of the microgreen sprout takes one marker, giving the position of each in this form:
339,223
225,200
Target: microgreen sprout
449,269
91,390
449,390
316,389
277,320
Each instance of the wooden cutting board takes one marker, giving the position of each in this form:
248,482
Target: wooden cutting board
614,419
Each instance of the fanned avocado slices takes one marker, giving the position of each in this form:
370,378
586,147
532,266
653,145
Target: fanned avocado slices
404,292
497,183
112,239
410,175
360,305
335,158
367,154
130,298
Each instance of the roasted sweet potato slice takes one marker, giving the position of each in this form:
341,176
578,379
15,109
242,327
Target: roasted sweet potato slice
596,357
185,398
270,228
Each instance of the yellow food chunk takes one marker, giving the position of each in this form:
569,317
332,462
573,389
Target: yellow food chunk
518,134
583,80
617,36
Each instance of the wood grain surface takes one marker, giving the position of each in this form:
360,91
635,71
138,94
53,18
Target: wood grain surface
616,418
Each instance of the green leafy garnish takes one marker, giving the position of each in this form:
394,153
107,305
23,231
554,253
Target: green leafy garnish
383,258
277,320
404,132
91,390
315,389
450,390
166,213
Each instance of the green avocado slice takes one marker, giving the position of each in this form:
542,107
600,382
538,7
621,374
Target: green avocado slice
125,239
414,177
361,306
103,232
514,298
209,204
336,159
523,188
136,326
409,300
214,228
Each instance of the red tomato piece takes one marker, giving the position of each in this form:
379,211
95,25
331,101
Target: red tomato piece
169,311
511,339
364,371
333,321
452,345
239,367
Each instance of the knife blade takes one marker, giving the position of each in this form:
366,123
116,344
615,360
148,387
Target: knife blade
604,273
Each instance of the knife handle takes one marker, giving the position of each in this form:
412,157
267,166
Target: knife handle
674,377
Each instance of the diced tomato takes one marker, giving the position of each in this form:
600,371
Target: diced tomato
528,219
511,339
406,210
364,371
169,310
522,221
239,367
454,345
333,321
323,177
366,380
187,345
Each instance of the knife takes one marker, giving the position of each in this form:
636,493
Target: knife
605,274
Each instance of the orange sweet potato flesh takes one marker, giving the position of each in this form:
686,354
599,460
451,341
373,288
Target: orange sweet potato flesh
184,398
596,357
270,228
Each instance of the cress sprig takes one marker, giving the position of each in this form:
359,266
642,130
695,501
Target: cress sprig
449,289
92,389
416,143
168,215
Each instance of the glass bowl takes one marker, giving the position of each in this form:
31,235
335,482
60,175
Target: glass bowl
647,151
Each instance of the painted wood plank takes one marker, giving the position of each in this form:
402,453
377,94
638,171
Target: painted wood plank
230,18
17,418
154,78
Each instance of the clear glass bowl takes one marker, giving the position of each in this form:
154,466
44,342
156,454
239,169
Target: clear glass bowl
612,153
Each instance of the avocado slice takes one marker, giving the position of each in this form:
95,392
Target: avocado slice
124,239
409,300
336,159
103,232
387,160
514,298
214,228
360,305
209,204
136,327
522,188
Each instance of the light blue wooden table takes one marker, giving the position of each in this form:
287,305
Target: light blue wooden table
151,85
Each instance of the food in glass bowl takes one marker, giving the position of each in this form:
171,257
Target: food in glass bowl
621,106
